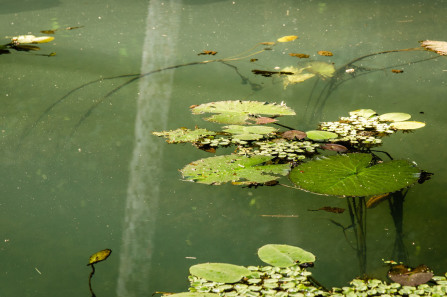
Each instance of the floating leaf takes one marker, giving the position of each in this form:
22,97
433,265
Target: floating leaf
99,256
205,52
189,294
407,276
320,135
282,255
322,69
249,132
325,53
396,71
301,56
296,77
407,125
352,175
264,120
238,112
219,272
439,47
184,135
294,134
376,200
365,113
26,39
334,147
233,168
287,38
394,117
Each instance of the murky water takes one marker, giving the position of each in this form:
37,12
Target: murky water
86,174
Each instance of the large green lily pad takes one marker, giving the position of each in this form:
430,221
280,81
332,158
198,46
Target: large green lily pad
232,168
353,175
282,255
239,112
184,135
219,272
249,132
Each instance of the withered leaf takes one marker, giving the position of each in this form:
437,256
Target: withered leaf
294,134
301,56
325,53
407,276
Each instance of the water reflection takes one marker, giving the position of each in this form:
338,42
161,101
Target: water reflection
145,168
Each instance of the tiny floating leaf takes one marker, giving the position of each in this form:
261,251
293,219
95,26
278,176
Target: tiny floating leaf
282,255
287,38
183,135
219,272
99,256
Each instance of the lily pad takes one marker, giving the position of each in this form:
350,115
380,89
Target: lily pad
233,168
189,294
353,175
320,135
407,125
184,135
365,113
282,255
219,272
249,132
238,112
394,117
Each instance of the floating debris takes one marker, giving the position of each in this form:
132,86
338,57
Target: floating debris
287,38
205,52
325,53
301,56
396,71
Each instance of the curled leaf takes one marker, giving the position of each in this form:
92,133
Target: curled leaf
440,47
287,38
99,256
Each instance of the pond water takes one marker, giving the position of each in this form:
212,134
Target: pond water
83,173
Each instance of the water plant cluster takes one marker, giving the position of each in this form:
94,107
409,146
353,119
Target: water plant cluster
264,153
288,275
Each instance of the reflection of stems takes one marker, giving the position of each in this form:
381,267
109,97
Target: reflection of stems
357,211
90,280
134,77
396,203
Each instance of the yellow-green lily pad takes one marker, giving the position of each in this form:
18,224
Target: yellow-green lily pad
394,117
219,272
283,255
407,125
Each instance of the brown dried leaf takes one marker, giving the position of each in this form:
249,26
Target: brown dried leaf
407,276
301,56
325,53
264,120
439,47
294,134
376,200
334,147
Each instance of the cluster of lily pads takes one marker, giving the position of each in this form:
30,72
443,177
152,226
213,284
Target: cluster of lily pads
365,128
287,275
264,153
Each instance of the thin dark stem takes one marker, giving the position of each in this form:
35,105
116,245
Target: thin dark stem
90,280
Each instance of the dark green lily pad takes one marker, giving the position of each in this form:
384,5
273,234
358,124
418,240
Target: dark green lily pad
353,175
282,255
184,135
249,132
233,168
239,112
219,272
